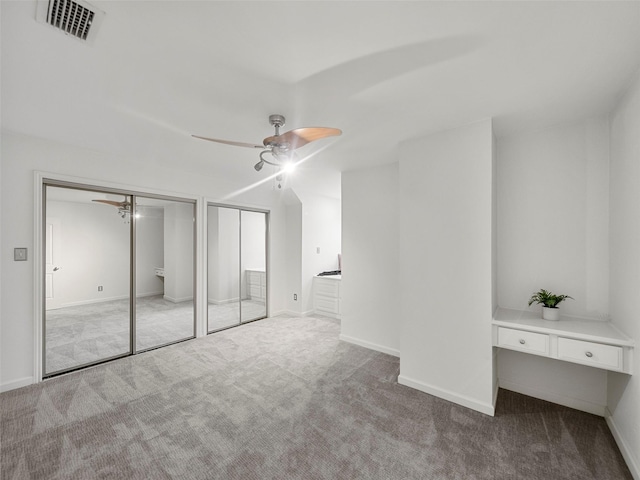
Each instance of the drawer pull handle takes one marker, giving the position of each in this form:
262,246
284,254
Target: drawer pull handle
589,354
522,342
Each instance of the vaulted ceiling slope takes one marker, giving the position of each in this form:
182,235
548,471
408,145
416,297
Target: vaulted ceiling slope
383,72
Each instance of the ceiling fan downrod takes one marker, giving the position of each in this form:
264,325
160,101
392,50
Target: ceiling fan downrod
277,121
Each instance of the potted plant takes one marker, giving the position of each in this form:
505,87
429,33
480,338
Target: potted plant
549,303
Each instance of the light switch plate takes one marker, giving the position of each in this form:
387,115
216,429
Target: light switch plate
19,254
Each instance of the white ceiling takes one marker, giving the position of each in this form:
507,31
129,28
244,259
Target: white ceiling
383,72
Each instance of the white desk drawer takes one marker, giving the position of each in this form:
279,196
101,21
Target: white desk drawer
589,353
524,341
255,278
331,305
255,291
329,288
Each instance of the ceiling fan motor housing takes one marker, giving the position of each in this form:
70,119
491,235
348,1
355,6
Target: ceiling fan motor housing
276,120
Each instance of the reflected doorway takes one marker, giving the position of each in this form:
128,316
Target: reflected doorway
237,266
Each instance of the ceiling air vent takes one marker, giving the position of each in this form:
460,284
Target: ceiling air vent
76,18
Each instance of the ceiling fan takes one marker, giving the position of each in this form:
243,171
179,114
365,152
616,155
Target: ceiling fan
124,208
281,146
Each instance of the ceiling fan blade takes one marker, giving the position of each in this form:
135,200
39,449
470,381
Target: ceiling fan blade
114,203
229,142
299,137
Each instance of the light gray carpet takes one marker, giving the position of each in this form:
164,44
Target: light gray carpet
90,333
283,398
228,314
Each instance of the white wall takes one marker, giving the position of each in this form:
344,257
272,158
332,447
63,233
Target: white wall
553,211
293,258
321,228
624,390
223,254
576,386
445,205
22,155
93,243
370,281
150,250
92,249
178,251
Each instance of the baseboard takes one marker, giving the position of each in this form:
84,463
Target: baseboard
223,302
21,382
627,452
93,301
296,314
148,294
176,300
570,402
370,345
448,395
327,314
90,302
496,389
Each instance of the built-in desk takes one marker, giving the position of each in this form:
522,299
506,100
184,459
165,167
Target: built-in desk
594,343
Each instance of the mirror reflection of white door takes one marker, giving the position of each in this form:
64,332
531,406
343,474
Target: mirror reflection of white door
52,261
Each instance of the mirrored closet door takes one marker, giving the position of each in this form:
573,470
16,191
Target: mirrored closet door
87,278
253,265
237,266
118,276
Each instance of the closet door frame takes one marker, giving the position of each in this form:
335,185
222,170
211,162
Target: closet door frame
42,180
267,237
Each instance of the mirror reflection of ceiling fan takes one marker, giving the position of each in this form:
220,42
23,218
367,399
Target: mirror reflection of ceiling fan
281,147
124,208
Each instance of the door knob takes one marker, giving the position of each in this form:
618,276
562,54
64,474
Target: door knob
55,269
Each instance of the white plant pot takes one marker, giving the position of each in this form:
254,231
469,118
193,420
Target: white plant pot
550,313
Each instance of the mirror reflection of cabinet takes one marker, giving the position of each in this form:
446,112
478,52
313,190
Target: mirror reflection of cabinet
256,285
237,266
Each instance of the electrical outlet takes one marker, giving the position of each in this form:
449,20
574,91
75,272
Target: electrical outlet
295,297
99,288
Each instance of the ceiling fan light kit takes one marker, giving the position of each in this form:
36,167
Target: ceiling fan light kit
281,146
124,208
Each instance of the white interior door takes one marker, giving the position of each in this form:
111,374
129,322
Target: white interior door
52,261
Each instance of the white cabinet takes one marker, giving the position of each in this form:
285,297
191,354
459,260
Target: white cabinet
256,285
326,295
588,342
524,341
590,353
